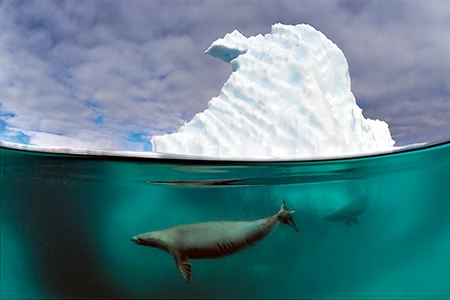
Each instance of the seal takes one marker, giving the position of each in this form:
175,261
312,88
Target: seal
211,240
350,212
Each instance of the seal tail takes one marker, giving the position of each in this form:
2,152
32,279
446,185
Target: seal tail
285,216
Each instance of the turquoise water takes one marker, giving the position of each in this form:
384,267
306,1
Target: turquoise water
66,223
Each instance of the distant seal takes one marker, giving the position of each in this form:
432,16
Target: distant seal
350,212
211,240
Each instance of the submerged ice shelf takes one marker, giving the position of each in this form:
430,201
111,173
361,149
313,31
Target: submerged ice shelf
289,95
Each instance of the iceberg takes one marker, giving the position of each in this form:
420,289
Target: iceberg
288,96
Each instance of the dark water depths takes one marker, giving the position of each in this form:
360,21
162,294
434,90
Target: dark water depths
66,223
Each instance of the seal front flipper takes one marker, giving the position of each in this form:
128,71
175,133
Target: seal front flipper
353,219
183,266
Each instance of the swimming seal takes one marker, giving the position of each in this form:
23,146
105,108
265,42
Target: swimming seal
210,240
350,212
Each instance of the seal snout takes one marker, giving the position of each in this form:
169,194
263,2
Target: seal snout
136,240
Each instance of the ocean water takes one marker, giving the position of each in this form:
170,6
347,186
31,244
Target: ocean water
66,223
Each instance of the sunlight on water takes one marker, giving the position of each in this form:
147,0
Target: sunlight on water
373,227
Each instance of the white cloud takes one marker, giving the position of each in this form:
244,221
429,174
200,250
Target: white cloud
82,141
139,66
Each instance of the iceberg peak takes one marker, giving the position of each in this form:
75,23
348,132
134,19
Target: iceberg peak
228,48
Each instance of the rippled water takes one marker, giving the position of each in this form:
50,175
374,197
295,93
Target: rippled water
66,223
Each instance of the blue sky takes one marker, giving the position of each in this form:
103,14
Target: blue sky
110,74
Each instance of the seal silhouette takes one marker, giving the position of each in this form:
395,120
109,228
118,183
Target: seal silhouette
350,212
211,240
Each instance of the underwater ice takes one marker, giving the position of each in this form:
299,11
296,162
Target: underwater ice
289,95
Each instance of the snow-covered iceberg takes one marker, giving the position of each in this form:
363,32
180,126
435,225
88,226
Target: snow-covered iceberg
289,95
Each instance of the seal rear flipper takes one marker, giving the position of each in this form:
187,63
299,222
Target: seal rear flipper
183,266
285,216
